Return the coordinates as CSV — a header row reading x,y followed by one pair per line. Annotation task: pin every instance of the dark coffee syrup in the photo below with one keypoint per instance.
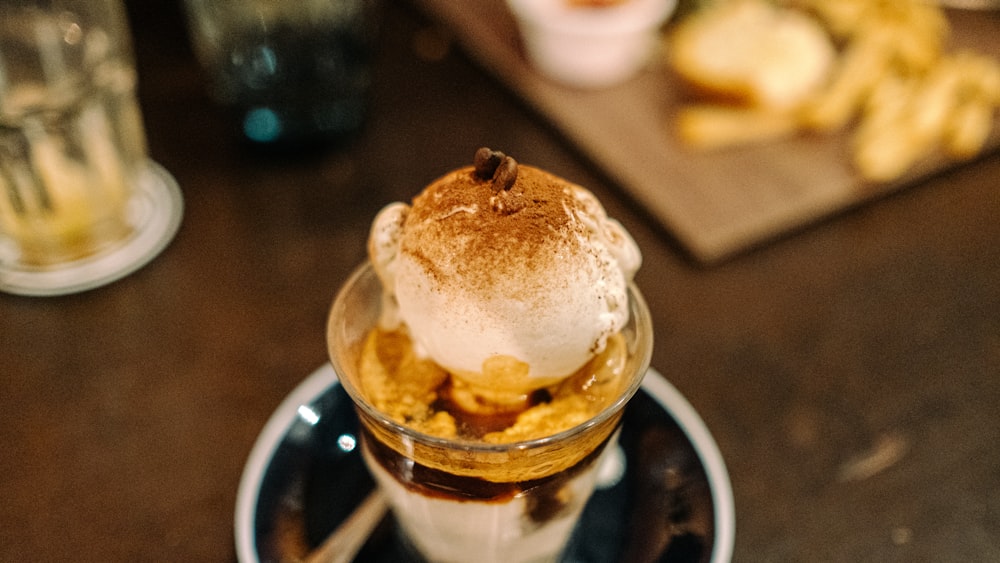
x,y
544,503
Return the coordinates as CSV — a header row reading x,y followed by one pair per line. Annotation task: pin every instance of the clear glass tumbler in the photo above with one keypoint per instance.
x,y
459,500
73,157
293,72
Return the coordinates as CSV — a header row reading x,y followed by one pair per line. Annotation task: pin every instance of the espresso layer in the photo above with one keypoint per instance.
x,y
546,499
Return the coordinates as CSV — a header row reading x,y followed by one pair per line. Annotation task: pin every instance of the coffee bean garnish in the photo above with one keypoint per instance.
x,y
486,162
505,175
495,165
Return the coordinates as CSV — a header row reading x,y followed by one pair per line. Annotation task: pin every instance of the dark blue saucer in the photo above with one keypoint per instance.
x,y
674,502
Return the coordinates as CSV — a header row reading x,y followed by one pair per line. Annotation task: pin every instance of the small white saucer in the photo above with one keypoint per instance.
x,y
303,478
154,212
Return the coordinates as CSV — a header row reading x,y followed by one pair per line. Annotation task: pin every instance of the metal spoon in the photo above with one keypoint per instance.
x,y
345,542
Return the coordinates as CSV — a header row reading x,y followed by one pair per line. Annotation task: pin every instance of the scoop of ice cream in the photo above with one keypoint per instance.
x,y
505,275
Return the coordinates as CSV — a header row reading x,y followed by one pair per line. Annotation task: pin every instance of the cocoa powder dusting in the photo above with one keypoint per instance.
x,y
491,246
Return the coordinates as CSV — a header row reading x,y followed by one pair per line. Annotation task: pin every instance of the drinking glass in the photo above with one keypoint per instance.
x,y
81,204
292,72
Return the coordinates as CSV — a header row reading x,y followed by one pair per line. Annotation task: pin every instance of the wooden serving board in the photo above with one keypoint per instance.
x,y
716,203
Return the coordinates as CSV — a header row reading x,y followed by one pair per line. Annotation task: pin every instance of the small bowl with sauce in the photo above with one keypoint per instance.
x,y
590,44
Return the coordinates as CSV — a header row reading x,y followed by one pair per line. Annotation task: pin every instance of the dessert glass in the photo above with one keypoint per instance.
x,y
460,500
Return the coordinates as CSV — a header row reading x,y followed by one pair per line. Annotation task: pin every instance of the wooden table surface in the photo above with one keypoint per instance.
x,y
849,372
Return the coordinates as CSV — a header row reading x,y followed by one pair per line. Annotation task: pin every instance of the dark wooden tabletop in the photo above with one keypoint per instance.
x,y
850,373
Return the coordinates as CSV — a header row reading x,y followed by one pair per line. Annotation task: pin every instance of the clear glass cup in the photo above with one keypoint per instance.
x,y
75,180
458,500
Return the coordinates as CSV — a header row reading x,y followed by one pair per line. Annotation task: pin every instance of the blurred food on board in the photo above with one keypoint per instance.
x,y
879,69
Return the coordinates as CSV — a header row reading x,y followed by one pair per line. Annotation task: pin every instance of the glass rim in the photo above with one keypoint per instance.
x,y
639,318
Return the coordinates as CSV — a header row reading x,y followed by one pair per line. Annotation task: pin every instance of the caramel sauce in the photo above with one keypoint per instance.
x,y
417,393
474,425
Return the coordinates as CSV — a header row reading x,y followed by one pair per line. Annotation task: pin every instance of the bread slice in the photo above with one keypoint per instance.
x,y
753,53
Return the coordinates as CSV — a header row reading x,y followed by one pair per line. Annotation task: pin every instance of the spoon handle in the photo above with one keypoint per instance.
x,y
344,543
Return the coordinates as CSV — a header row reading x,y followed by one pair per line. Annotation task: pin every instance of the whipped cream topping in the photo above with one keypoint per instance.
x,y
507,284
